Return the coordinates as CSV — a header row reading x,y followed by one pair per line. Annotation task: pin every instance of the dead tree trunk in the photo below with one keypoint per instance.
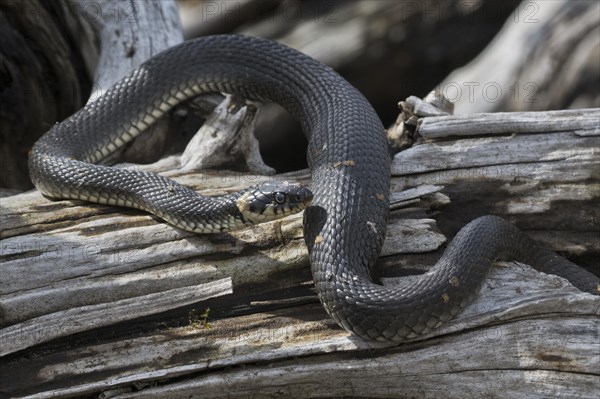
x,y
98,299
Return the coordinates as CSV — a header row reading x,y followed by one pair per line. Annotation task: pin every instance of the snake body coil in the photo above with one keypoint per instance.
x,y
348,158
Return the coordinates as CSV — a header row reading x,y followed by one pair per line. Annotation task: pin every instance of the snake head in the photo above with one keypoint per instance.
x,y
273,200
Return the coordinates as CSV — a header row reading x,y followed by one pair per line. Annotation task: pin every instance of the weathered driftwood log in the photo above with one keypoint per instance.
x,y
97,299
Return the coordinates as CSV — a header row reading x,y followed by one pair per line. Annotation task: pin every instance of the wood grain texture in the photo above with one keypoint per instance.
x,y
97,299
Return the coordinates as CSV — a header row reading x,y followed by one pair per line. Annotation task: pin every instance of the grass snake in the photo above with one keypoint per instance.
x,y
350,165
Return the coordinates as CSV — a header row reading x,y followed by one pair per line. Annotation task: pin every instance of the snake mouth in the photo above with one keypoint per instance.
x,y
273,200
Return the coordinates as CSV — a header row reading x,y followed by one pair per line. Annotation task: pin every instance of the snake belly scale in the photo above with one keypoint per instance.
x,y
349,161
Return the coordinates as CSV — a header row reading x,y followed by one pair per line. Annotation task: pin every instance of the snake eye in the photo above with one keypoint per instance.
x,y
279,197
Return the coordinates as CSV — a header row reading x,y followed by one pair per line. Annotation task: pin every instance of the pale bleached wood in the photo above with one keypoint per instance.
x,y
119,257
500,331
129,33
496,151
64,323
586,121
271,335
226,137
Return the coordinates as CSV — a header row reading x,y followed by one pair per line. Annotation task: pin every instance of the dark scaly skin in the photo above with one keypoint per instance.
x,y
348,157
